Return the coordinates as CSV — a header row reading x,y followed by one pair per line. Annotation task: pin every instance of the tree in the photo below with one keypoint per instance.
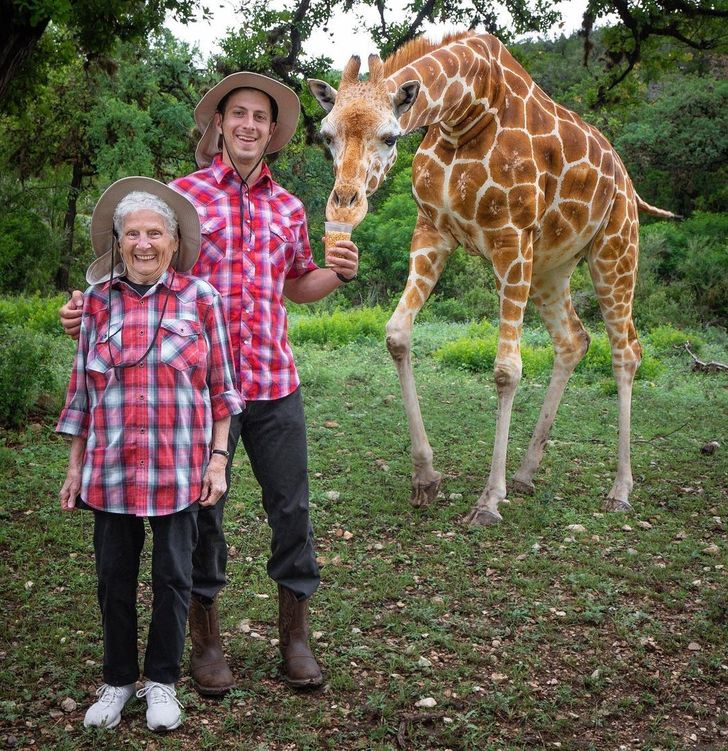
x,y
698,24
94,26
94,123
676,146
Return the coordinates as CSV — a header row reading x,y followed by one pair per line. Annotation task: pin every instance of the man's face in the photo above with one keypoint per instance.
x,y
246,126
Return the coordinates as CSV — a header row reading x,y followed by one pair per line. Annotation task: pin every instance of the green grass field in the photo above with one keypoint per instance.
x,y
533,634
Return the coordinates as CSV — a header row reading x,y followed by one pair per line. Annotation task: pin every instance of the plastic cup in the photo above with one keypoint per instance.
x,y
333,232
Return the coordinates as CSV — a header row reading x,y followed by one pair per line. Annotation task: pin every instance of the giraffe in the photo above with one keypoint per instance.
x,y
511,176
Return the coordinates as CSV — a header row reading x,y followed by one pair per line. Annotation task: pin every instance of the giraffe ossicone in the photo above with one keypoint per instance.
x,y
510,175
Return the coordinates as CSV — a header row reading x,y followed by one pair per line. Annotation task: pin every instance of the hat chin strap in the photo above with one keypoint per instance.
x,y
254,167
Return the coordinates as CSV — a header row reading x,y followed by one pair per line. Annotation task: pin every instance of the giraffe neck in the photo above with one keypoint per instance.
x,y
459,90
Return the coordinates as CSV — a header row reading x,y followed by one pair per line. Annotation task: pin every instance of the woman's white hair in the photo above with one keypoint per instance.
x,y
139,200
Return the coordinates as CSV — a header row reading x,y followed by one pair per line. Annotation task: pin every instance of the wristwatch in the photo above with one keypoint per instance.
x,y
344,279
222,452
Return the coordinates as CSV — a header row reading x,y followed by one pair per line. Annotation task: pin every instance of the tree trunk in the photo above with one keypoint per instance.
x,y
69,225
18,38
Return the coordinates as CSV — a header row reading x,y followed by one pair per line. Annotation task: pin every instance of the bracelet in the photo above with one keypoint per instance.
x,y
222,452
344,279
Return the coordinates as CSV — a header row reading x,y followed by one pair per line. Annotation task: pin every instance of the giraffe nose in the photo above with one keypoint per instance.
x,y
345,197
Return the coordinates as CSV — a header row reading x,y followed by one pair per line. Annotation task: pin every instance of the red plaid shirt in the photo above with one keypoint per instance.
x,y
249,269
148,427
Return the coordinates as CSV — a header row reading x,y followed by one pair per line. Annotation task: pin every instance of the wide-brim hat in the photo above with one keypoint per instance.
x,y
102,226
289,108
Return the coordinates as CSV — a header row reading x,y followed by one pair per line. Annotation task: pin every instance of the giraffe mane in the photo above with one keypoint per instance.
x,y
418,47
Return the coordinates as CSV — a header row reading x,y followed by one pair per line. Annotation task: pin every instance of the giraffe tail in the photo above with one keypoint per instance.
x,y
650,209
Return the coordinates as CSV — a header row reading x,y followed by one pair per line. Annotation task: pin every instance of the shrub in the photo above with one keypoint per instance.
x,y
27,252
34,369
340,327
663,340
35,313
477,353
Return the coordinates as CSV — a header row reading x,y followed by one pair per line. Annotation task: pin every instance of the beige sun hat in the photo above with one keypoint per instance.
x,y
102,226
289,109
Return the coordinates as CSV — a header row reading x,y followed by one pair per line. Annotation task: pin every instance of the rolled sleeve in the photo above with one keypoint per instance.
x,y
303,260
75,417
224,397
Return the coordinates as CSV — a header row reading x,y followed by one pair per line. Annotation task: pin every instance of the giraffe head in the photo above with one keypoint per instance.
x,y
361,131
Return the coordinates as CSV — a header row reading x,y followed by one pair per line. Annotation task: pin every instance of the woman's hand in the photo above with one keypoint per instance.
x,y
70,489
213,483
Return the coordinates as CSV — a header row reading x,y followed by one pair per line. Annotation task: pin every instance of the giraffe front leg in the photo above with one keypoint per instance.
x,y
427,259
512,262
624,372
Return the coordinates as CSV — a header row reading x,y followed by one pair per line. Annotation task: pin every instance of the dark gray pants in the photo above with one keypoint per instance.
x,y
274,435
118,543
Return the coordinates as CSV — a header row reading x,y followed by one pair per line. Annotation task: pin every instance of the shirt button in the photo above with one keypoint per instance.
x,y
141,397
141,430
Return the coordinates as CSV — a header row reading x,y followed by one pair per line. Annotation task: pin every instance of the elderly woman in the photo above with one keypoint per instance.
x,y
148,406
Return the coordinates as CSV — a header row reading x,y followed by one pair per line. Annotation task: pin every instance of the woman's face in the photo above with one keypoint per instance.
x,y
147,246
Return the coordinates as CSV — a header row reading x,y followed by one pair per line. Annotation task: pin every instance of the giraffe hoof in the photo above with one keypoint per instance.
x,y
483,517
620,507
424,492
523,487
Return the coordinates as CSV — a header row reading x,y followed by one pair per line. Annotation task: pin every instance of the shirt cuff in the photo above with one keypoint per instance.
x,y
73,422
226,404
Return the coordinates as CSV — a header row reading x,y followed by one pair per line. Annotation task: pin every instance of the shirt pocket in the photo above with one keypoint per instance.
x,y
106,352
281,246
215,238
180,343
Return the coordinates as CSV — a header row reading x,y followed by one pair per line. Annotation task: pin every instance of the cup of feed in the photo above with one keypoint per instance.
x,y
333,232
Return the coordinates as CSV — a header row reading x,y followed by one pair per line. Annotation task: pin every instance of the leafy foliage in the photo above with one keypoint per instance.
x,y
30,377
26,252
340,327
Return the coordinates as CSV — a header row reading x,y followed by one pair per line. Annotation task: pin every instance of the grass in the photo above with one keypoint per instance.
x,y
527,635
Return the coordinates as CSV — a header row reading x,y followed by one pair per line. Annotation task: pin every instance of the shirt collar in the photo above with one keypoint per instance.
x,y
168,279
223,172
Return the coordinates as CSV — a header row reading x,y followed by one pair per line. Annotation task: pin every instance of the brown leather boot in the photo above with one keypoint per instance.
x,y
208,667
300,668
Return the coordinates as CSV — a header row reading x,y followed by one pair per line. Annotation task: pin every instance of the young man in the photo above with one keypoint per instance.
x,y
255,250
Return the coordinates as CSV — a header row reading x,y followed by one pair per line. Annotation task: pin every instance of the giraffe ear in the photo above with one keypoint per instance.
x,y
405,97
325,94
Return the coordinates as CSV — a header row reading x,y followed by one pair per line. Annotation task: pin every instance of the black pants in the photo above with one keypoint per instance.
x,y
118,543
274,435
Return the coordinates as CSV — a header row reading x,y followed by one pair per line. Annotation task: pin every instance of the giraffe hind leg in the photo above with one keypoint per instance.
x,y
613,268
551,294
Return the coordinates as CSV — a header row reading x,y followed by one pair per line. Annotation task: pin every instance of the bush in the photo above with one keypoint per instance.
x,y
27,252
340,327
477,353
34,370
35,313
664,340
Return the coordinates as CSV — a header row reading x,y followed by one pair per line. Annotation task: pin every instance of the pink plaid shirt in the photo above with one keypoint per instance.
x,y
148,427
249,269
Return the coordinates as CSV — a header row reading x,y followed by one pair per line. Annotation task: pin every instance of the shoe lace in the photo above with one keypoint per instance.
x,y
108,694
158,693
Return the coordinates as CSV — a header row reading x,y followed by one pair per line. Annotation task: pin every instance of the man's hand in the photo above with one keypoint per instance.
x,y
213,483
344,259
70,314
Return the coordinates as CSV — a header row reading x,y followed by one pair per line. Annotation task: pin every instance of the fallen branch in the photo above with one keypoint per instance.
x,y
705,367
414,717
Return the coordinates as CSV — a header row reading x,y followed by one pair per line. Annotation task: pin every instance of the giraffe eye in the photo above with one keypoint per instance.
x,y
327,139
389,140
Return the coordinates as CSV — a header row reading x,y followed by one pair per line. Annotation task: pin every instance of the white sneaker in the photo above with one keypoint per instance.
x,y
106,712
163,707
